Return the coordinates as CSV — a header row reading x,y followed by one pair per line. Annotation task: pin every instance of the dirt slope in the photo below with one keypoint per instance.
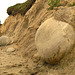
x,y
23,61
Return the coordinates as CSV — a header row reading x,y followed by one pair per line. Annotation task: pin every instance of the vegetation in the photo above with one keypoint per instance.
x,y
21,8
53,3
0,24
73,4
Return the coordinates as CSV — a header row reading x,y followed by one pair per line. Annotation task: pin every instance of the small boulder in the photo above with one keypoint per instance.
x,y
4,40
54,39
11,49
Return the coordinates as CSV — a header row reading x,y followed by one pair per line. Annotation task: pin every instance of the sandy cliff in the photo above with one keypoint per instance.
x,y
21,30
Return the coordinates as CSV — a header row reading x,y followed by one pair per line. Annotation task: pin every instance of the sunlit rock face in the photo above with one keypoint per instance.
x,y
54,39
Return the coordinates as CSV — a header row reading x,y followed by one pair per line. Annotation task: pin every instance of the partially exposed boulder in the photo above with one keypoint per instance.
x,y
11,49
54,39
4,40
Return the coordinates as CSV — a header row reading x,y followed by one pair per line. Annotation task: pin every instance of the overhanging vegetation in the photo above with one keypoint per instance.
x,y
21,8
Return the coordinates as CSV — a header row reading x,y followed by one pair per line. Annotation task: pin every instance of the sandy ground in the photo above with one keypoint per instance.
x,y
13,64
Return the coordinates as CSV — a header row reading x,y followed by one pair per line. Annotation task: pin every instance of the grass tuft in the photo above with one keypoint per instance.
x,y
53,3
0,24
73,4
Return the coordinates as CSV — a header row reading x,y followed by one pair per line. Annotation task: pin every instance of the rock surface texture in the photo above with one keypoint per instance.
x,y
66,15
54,39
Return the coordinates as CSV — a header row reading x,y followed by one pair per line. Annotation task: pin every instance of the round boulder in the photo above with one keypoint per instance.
x,y
4,40
54,39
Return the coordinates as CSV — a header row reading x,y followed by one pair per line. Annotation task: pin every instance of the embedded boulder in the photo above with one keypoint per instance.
x,y
4,40
11,49
54,39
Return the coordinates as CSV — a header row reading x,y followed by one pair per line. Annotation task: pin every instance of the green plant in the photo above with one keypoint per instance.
x,y
21,8
73,4
53,3
0,24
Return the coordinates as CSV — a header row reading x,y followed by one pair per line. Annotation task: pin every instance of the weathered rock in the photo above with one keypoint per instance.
x,y
11,49
66,15
54,39
4,40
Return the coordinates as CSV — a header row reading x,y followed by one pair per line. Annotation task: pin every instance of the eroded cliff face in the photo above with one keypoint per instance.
x,y
22,30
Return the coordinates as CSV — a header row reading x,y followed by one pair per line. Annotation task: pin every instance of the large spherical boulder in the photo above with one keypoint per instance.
x,y
4,40
54,39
